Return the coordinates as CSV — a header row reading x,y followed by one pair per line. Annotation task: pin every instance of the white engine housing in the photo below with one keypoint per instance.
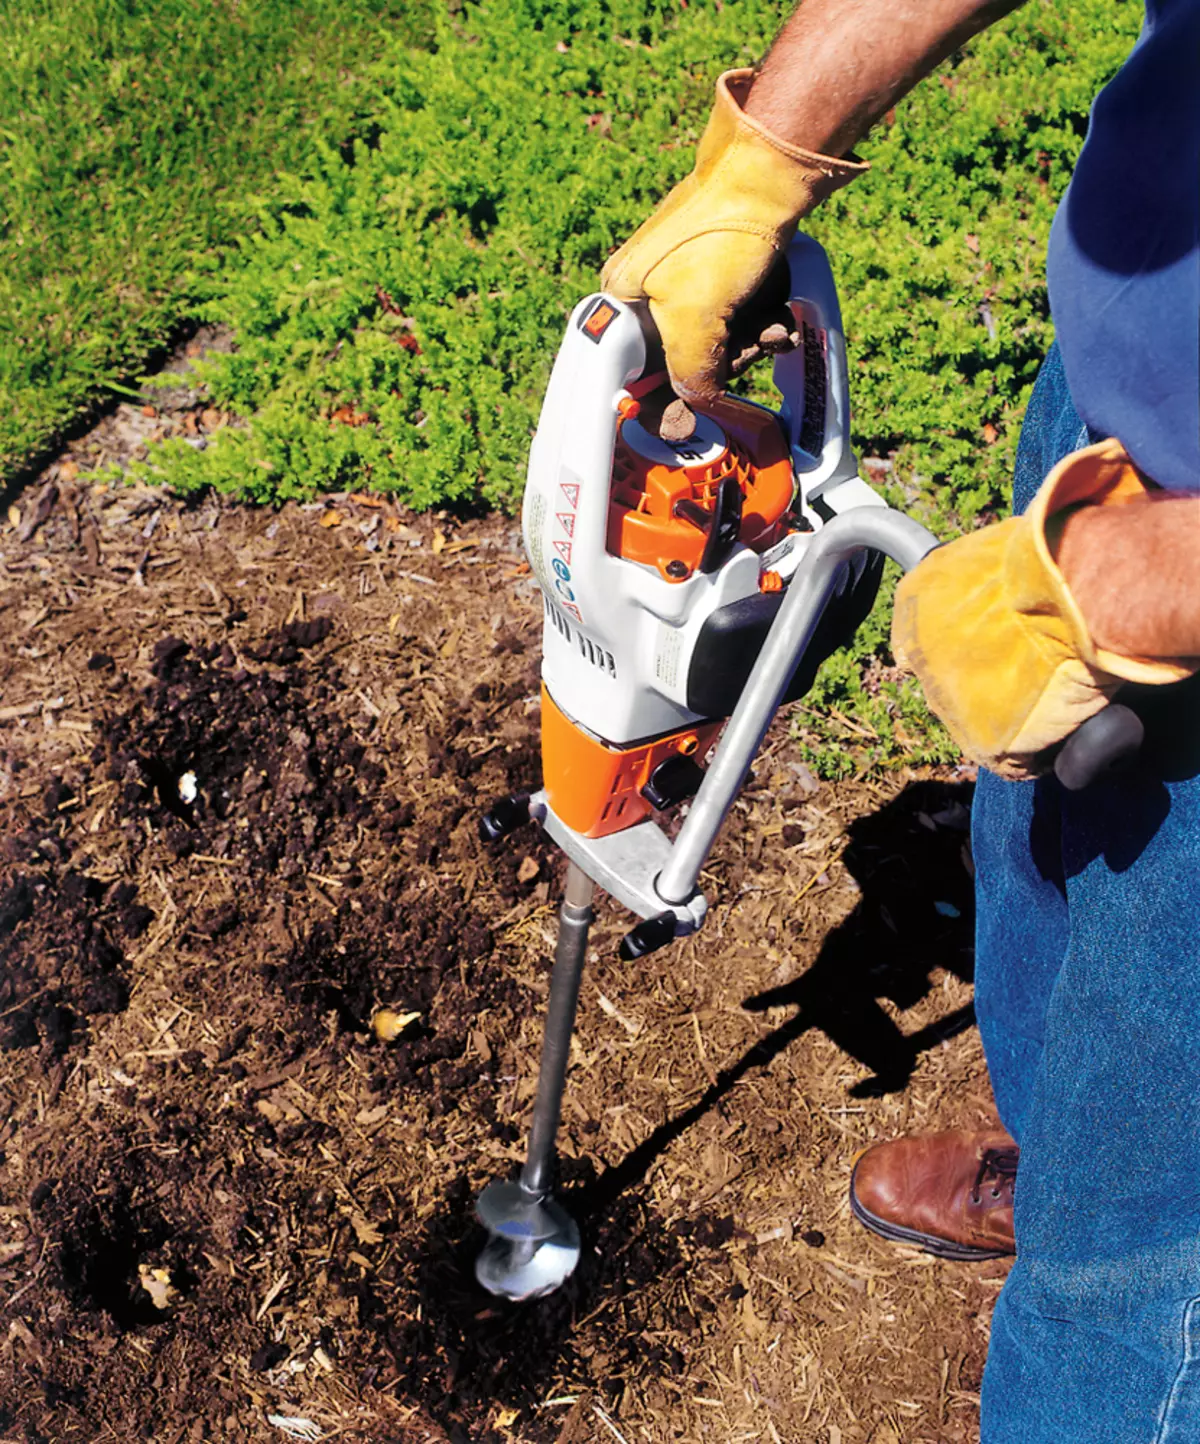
x,y
619,637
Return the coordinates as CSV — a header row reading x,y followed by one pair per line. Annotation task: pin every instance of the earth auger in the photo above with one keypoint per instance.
x,y
684,582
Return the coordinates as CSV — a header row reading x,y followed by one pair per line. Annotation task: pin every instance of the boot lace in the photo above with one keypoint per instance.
x,y
997,1167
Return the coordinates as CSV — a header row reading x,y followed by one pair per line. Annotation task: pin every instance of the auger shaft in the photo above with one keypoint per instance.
x,y
574,924
534,1244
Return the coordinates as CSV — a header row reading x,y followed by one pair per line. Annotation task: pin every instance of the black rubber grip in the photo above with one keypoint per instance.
x,y
648,937
1105,743
504,816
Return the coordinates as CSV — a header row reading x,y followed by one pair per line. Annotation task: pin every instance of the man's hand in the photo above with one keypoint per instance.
x,y
767,158
712,243
1011,657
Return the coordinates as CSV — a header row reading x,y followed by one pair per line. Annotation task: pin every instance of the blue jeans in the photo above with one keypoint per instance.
x,y
1088,997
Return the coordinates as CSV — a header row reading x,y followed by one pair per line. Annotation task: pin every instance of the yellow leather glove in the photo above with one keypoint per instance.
x,y
708,247
989,626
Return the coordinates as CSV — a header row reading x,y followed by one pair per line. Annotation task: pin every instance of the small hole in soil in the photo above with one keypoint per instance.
x,y
100,1257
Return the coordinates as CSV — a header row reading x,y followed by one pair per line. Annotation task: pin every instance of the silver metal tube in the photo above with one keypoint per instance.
x,y
880,528
574,924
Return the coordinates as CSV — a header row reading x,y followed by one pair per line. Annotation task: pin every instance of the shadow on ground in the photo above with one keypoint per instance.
x,y
915,917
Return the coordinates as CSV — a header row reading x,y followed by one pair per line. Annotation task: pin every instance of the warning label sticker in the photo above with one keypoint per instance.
x,y
533,536
666,656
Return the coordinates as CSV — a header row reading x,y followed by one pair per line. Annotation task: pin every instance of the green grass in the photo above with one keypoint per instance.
x,y
131,134
511,158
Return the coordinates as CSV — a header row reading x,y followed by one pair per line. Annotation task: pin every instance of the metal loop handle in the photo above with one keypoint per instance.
x,y
838,541
1108,740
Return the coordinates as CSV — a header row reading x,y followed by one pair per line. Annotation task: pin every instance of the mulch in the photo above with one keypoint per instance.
x,y
242,758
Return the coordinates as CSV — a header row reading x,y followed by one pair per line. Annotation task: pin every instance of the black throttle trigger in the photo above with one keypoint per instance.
x,y
725,526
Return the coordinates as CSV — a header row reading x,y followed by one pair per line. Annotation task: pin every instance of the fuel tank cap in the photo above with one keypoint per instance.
x,y
706,445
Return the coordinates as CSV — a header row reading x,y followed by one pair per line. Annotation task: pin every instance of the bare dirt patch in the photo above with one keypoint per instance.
x,y
242,755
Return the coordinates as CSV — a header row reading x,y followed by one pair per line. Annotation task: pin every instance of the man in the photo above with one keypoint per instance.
x,y
1088,957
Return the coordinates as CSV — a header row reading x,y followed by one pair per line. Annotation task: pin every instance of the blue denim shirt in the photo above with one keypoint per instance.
x,y
1124,260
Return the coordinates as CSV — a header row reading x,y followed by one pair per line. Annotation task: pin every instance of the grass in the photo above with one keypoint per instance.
x,y
132,135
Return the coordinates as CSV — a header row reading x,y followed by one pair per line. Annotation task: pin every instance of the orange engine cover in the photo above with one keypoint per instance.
x,y
597,789
648,524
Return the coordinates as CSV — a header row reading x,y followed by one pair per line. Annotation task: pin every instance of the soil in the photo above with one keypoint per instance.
x,y
242,759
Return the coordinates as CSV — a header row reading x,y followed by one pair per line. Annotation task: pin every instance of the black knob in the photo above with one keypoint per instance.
x,y
1106,742
673,780
648,937
504,816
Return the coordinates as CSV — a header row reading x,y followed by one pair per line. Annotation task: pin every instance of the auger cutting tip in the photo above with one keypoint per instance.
x,y
502,1270
534,1244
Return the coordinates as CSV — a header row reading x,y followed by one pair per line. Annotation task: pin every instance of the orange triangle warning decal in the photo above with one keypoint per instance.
x,y
564,551
571,491
566,520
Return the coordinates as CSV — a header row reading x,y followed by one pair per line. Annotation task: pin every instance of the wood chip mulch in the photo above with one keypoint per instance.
x,y
242,755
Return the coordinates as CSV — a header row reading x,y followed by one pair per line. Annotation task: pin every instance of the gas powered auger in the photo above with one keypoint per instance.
x,y
684,582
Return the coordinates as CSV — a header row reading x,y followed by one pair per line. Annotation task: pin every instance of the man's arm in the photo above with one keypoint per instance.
x,y
769,156
1134,572
838,65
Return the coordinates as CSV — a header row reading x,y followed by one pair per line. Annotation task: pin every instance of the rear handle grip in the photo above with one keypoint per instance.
x,y
1105,743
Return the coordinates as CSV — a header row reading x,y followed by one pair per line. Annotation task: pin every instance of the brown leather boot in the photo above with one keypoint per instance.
x,y
950,1194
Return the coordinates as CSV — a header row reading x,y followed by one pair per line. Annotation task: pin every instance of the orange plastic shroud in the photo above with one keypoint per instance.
x,y
644,524
597,789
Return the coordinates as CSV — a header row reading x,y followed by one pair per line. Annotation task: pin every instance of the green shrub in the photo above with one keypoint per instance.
x,y
421,283
857,716
465,232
